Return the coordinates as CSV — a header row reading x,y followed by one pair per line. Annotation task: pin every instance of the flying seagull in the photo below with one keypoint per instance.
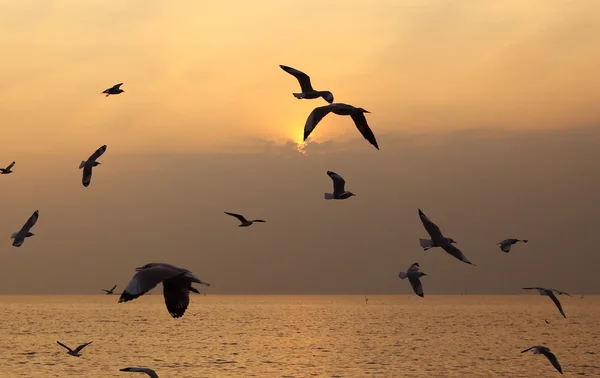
x,y
549,293
339,192
540,349
439,240
24,232
507,243
114,90
76,351
413,275
109,292
7,170
307,90
357,115
177,284
151,373
245,222
88,164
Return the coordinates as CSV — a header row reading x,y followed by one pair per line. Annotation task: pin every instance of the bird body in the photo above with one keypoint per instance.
x,y
114,90
88,164
439,240
74,353
307,90
244,222
413,274
7,170
339,191
24,232
540,349
549,293
177,284
506,244
357,115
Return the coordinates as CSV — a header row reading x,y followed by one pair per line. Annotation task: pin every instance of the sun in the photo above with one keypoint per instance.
x,y
301,146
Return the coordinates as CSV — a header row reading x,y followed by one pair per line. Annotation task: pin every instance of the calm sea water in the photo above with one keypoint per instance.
x,y
300,336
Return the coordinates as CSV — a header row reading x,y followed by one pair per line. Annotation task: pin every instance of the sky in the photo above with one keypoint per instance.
x,y
485,113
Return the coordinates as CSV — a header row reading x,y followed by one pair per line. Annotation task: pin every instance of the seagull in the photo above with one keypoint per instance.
x,y
507,243
150,372
413,275
245,222
24,232
339,192
76,351
549,293
177,284
307,90
540,349
357,115
439,240
114,90
7,170
109,292
89,164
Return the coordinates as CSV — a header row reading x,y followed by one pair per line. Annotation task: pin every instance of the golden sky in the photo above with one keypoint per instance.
x,y
498,99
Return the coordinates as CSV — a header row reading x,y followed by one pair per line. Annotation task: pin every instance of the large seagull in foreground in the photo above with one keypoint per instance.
x,y
439,240
307,90
357,114
88,164
177,284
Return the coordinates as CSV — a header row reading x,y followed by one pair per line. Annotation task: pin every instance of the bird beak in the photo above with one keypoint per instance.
x,y
366,111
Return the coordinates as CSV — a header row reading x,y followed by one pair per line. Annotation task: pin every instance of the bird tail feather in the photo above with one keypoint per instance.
x,y
402,275
426,243
328,196
81,164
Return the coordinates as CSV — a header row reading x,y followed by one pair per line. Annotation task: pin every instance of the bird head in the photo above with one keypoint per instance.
x,y
328,97
450,240
147,266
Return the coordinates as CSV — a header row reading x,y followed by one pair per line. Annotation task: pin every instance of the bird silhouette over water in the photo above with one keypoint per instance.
x,y
90,163
339,191
244,222
75,352
7,170
357,115
111,291
307,90
114,90
177,284
20,235
413,274
548,293
439,240
540,349
148,371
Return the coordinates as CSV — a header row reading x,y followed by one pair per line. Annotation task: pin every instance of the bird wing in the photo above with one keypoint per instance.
x,y
451,249
238,216
303,78
414,267
259,220
79,348
114,287
528,349
106,291
552,358
11,165
338,182
86,178
64,346
361,124
314,118
117,86
176,291
97,154
533,288
150,372
30,222
146,279
415,282
560,292
557,303
432,229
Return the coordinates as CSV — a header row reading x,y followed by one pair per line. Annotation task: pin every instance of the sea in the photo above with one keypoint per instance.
x,y
300,336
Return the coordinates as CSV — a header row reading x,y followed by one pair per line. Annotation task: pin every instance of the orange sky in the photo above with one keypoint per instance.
x,y
511,85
